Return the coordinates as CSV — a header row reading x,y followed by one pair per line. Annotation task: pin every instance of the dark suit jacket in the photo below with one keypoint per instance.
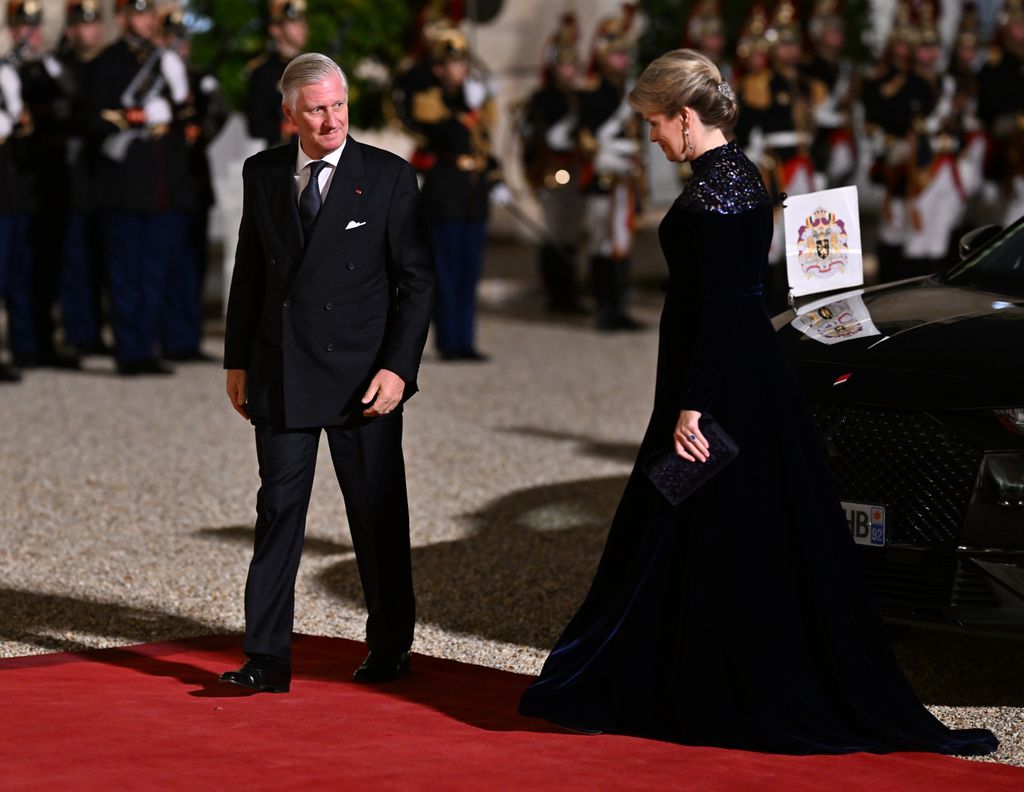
x,y
313,322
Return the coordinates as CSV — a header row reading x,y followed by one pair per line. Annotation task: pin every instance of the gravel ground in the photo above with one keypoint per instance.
x,y
127,507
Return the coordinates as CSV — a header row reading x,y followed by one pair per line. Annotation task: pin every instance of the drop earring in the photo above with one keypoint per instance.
x,y
688,143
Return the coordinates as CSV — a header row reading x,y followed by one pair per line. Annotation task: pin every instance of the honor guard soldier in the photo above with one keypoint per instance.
x,y
182,324
788,129
82,280
705,32
40,155
138,106
610,142
1001,109
896,99
833,89
962,77
551,161
753,77
453,116
288,32
947,157
15,211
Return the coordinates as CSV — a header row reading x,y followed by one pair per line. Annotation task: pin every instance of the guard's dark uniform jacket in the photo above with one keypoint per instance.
x,y
456,142
263,100
154,175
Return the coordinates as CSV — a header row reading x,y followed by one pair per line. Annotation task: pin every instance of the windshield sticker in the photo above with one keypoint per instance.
x,y
837,321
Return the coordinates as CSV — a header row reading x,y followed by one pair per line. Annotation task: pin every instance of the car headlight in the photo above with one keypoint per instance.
x,y
1012,419
1002,477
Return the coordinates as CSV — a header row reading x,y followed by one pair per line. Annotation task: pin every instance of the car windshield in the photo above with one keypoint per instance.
x,y
997,267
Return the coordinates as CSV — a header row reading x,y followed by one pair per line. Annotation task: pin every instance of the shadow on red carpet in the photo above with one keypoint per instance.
x,y
155,717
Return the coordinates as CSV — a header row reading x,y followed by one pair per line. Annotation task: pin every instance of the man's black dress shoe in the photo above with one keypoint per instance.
x,y
261,675
8,374
379,667
138,368
56,360
191,356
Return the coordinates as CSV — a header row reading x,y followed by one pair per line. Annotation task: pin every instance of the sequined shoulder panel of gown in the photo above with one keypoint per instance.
x,y
724,181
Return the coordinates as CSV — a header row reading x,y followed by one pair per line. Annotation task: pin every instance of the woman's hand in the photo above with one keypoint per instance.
x,y
690,442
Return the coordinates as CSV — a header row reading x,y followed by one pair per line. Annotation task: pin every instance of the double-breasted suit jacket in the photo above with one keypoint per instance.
x,y
313,320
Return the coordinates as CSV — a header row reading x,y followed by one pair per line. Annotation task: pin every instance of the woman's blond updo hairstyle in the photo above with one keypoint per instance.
x,y
685,78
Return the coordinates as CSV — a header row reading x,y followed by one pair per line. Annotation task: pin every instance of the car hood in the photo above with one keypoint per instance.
x,y
921,342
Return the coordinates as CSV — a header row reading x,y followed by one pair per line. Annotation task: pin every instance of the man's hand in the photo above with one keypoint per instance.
x,y
689,441
237,390
385,392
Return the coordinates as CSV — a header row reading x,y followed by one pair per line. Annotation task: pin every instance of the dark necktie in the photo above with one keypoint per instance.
x,y
309,201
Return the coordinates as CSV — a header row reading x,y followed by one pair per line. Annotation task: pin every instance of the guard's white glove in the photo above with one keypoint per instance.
x,y
501,195
616,156
475,92
158,111
175,72
208,84
52,66
560,135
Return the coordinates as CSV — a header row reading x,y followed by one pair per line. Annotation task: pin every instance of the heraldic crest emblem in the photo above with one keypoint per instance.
x,y
822,245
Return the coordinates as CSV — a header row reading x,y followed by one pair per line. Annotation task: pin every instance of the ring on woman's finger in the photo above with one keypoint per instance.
x,y
693,437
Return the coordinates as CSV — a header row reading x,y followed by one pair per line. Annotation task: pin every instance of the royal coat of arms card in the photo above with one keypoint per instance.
x,y
823,248
837,318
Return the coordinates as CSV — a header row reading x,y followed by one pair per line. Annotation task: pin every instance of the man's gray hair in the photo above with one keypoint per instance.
x,y
308,69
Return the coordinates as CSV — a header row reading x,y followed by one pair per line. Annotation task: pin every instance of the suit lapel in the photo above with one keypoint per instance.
x,y
339,207
279,186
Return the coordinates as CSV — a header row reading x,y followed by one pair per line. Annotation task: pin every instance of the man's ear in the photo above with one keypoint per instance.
x,y
287,112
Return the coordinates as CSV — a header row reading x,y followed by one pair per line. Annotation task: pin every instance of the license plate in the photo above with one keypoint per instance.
x,y
866,522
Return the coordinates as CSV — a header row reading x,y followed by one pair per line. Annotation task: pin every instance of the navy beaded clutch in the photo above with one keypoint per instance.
x,y
677,478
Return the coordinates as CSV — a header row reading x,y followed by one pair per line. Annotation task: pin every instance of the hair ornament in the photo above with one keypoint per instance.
x,y
726,90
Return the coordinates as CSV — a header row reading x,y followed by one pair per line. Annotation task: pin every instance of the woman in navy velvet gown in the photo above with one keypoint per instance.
x,y
739,618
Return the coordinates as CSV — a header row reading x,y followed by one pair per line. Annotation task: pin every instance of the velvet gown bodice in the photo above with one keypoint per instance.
x,y
741,617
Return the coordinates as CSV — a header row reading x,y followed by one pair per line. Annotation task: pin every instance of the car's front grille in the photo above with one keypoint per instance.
x,y
923,586
971,588
910,586
906,461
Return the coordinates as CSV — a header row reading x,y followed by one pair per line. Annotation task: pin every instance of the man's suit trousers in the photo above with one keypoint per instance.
x,y
371,471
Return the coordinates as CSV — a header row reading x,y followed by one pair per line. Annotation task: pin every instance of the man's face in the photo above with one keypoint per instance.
x,y
452,73
927,56
787,53
618,61
321,116
290,35
28,36
85,36
142,24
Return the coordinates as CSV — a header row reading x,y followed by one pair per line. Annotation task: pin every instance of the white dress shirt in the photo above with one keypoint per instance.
x,y
326,174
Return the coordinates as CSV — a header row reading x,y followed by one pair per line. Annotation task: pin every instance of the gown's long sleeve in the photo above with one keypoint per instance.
x,y
718,254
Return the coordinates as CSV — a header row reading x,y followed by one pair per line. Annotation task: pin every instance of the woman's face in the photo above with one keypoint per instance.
x,y
667,132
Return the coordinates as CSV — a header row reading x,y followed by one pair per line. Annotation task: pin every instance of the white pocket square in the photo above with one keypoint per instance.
x,y
354,224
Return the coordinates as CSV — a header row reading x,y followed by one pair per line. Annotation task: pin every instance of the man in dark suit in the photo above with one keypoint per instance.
x,y
327,316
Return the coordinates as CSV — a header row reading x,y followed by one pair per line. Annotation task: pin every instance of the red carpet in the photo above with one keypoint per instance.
x,y
154,717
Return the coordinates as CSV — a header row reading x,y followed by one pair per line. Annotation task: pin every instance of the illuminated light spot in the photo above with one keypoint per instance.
x,y
562,176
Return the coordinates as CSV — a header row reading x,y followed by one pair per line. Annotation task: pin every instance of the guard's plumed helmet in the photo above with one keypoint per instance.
x,y
25,12
81,11
136,6
447,44
172,21
284,10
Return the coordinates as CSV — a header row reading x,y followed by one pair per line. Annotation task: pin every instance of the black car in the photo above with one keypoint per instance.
x,y
917,392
